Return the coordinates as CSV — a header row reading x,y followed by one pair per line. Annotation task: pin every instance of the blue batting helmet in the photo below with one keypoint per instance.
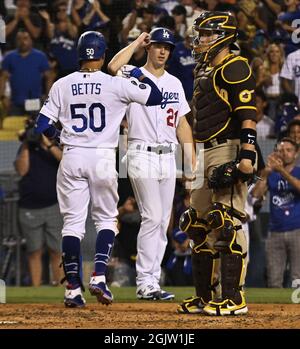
x,y
91,46
162,35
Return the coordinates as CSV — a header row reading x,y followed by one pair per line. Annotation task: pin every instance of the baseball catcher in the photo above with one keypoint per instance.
x,y
225,124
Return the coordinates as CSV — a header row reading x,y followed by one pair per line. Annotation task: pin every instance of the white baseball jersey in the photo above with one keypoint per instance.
x,y
291,70
158,124
91,105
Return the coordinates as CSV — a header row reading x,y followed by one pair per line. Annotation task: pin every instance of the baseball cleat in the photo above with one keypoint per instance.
x,y
98,288
148,292
73,297
225,307
166,296
192,305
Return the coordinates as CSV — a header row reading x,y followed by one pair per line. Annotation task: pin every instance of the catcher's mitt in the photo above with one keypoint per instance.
x,y
226,175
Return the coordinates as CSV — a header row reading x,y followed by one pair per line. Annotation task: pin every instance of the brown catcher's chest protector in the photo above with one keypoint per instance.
x,y
211,113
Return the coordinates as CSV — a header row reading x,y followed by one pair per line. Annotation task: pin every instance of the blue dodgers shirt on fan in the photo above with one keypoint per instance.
x,y
284,202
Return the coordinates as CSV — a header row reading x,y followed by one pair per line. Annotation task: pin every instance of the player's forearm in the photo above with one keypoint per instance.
x,y
122,58
249,125
185,137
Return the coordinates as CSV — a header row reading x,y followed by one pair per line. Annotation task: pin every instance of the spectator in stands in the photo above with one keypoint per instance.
x,y
194,8
290,74
282,179
88,15
265,125
179,14
39,217
124,251
179,265
63,36
23,19
140,17
293,131
182,64
250,15
270,81
287,110
25,69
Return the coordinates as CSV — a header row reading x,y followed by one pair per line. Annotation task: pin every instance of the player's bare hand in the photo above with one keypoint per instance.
x,y
245,166
143,40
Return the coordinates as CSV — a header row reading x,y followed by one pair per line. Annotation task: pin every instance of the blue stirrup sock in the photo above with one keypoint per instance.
x,y
104,245
72,261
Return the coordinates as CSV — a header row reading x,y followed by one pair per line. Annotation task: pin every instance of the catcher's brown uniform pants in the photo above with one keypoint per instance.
x,y
203,198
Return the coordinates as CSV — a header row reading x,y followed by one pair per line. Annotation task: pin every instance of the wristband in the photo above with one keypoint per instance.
x,y
248,135
247,154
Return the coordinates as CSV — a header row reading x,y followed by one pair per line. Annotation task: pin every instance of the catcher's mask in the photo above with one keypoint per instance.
x,y
212,31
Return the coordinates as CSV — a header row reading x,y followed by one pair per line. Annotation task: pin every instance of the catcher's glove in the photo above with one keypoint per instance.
x,y
226,175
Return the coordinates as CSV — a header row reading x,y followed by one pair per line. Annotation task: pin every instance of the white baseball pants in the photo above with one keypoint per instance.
x,y
153,179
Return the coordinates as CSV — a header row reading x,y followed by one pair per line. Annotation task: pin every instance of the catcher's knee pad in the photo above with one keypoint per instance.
x,y
232,268
197,229
221,219
203,267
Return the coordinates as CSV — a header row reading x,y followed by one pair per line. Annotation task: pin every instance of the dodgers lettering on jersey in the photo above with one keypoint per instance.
x,y
91,106
158,124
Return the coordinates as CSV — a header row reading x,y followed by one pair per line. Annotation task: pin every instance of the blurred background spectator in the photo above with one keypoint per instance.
x,y
290,73
182,64
265,125
293,131
39,217
288,109
282,180
25,68
268,77
23,19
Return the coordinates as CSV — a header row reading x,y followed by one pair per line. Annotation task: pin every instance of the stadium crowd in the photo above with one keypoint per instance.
x,y
40,47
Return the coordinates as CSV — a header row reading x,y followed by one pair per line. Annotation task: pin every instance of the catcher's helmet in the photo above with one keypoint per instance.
x,y
91,46
221,26
162,35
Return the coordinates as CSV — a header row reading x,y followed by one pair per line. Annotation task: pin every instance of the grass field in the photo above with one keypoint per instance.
x,y
127,294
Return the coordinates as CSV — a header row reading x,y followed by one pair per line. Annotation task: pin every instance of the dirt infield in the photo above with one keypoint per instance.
x,y
143,316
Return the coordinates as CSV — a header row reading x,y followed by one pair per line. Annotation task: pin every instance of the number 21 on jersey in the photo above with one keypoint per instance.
x,y
172,117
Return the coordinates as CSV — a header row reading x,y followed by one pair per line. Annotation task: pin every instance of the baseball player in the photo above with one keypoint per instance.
x,y
224,123
90,106
151,156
